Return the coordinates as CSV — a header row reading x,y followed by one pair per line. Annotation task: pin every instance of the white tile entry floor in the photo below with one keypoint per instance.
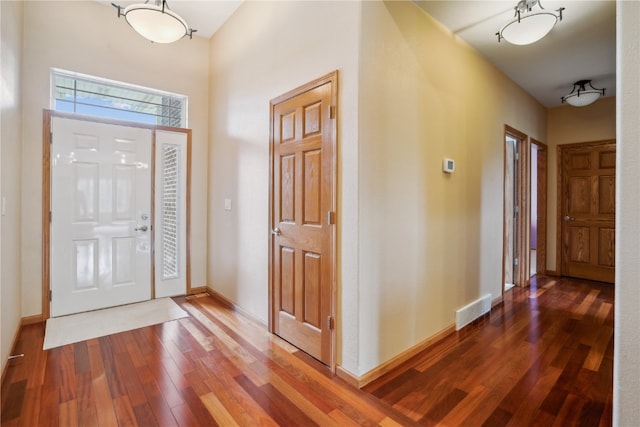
x,y
93,324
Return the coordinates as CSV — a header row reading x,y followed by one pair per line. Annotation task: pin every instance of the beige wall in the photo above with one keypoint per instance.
x,y
266,49
458,217
102,45
430,242
626,359
411,111
10,141
568,125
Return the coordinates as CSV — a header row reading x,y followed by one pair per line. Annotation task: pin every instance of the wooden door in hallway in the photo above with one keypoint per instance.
x,y
302,249
588,211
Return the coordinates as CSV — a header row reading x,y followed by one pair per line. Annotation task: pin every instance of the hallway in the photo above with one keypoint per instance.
x,y
543,357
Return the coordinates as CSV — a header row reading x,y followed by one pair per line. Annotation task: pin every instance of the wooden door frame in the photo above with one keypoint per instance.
x,y
332,78
541,230
47,116
523,229
561,261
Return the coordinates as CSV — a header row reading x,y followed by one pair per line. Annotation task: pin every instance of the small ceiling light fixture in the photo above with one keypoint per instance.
x,y
529,26
155,21
580,95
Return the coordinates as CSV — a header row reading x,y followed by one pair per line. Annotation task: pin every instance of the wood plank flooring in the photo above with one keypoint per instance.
x,y
544,357
215,367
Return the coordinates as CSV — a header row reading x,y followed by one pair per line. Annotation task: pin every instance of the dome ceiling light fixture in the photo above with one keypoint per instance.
x,y
581,96
529,26
154,21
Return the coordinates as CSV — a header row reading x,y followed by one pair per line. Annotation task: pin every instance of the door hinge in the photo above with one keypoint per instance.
x,y
517,156
332,111
516,209
329,322
50,217
331,217
515,261
50,295
50,137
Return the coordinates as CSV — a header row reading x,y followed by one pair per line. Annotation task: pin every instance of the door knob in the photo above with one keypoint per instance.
x,y
141,228
569,218
276,231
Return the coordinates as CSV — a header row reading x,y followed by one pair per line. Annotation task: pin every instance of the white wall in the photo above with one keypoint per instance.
x,y
626,371
102,45
10,141
264,50
430,242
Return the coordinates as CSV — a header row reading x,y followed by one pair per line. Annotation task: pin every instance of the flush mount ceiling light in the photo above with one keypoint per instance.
x,y
529,26
155,21
580,95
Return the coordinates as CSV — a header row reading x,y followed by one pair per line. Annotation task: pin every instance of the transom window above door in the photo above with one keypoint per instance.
x,y
94,96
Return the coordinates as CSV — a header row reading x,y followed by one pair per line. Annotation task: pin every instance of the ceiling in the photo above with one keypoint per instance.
x,y
206,16
581,46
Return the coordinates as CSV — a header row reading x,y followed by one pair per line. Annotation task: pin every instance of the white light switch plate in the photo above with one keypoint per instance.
x,y
227,204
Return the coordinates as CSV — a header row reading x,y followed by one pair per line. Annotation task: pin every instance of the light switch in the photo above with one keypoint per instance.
x,y
227,204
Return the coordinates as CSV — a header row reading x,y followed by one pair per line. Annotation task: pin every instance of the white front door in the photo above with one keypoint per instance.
x,y
101,215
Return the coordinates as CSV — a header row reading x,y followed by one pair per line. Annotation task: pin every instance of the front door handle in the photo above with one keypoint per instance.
x,y
276,231
141,228
569,218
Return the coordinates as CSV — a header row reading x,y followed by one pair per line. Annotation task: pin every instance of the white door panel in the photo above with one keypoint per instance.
x,y
101,202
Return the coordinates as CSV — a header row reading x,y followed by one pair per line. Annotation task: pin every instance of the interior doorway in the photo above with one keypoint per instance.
x,y
538,208
516,228
302,218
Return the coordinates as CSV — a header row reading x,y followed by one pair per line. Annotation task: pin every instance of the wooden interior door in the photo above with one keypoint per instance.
x,y
588,211
302,249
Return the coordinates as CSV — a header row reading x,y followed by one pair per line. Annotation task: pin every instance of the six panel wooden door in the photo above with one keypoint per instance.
x,y
101,215
302,244
588,212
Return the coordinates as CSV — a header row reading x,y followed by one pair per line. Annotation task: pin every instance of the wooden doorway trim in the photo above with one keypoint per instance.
x,y
329,217
541,192
47,116
522,217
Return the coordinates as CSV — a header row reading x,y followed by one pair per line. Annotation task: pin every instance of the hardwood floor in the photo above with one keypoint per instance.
x,y
544,357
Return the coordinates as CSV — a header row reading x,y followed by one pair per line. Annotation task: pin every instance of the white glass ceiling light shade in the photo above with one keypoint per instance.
x,y
155,22
580,95
529,26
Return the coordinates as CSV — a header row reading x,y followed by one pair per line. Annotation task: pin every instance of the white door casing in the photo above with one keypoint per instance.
x,y
100,247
